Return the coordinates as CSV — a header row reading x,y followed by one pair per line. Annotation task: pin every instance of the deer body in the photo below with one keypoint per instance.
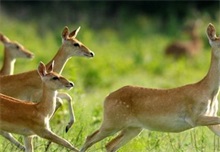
x,y
16,120
131,109
31,119
30,82
147,108
12,50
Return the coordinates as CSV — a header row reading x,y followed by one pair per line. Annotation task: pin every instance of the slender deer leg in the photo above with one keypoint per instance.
x,y
28,142
12,139
96,136
71,112
47,134
59,103
125,136
215,129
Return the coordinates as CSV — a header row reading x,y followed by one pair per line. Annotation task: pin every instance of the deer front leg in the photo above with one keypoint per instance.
x,y
49,135
67,97
12,139
28,142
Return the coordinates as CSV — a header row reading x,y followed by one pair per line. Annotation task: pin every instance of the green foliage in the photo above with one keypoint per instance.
x,y
131,52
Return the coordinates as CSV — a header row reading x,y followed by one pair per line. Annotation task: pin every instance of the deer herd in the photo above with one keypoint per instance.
x,y
26,110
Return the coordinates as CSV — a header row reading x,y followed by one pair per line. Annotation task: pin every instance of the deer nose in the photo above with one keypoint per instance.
x,y
71,84
92,54
31,56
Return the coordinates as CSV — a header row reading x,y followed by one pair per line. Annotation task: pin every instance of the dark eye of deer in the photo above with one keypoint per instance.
x,y
55,78
17,47
76,44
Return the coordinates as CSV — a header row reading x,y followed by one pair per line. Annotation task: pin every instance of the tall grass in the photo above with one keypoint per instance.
x,y
131,53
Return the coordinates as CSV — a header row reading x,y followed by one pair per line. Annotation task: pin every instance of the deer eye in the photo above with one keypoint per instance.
x,y
55,78
76,44
17,47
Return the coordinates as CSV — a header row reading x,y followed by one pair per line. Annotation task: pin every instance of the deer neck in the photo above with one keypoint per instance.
x,y
8,64
47,104
60,60
212,79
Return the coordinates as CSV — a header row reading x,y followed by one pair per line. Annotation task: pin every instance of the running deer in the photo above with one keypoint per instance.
x,y
12,50
131,109
30,82
30,119
187,48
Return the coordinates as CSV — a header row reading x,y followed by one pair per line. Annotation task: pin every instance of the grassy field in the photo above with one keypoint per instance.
x,y
130,53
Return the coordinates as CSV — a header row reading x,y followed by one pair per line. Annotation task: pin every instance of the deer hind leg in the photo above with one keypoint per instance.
x,y
28,142
125,136
12,139
49,135
97,136
215,129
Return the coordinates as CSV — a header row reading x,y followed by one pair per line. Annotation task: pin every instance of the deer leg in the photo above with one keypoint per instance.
x,y
97,136
207,121
49,135
125,136
12,139
28,142
71,112
59,103
215,129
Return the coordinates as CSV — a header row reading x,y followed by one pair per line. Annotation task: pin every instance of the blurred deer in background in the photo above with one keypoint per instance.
x,y
12,51
187,48
130,109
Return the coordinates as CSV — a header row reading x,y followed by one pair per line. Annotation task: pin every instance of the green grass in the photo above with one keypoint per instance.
x,y
132,53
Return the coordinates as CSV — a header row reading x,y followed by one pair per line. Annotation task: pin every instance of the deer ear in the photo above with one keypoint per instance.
x,y
211,33
42,69
50,68
65,33
3,38
74,33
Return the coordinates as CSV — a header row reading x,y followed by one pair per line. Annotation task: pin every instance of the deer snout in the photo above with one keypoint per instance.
x,y
30,56
89,54
70,85
92,54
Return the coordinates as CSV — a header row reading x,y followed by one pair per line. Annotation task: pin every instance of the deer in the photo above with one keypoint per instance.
x,y
131,109
189,48
30,82
30,119
12,51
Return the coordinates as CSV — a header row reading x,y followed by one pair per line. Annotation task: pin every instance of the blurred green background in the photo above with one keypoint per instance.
x,y
128,39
